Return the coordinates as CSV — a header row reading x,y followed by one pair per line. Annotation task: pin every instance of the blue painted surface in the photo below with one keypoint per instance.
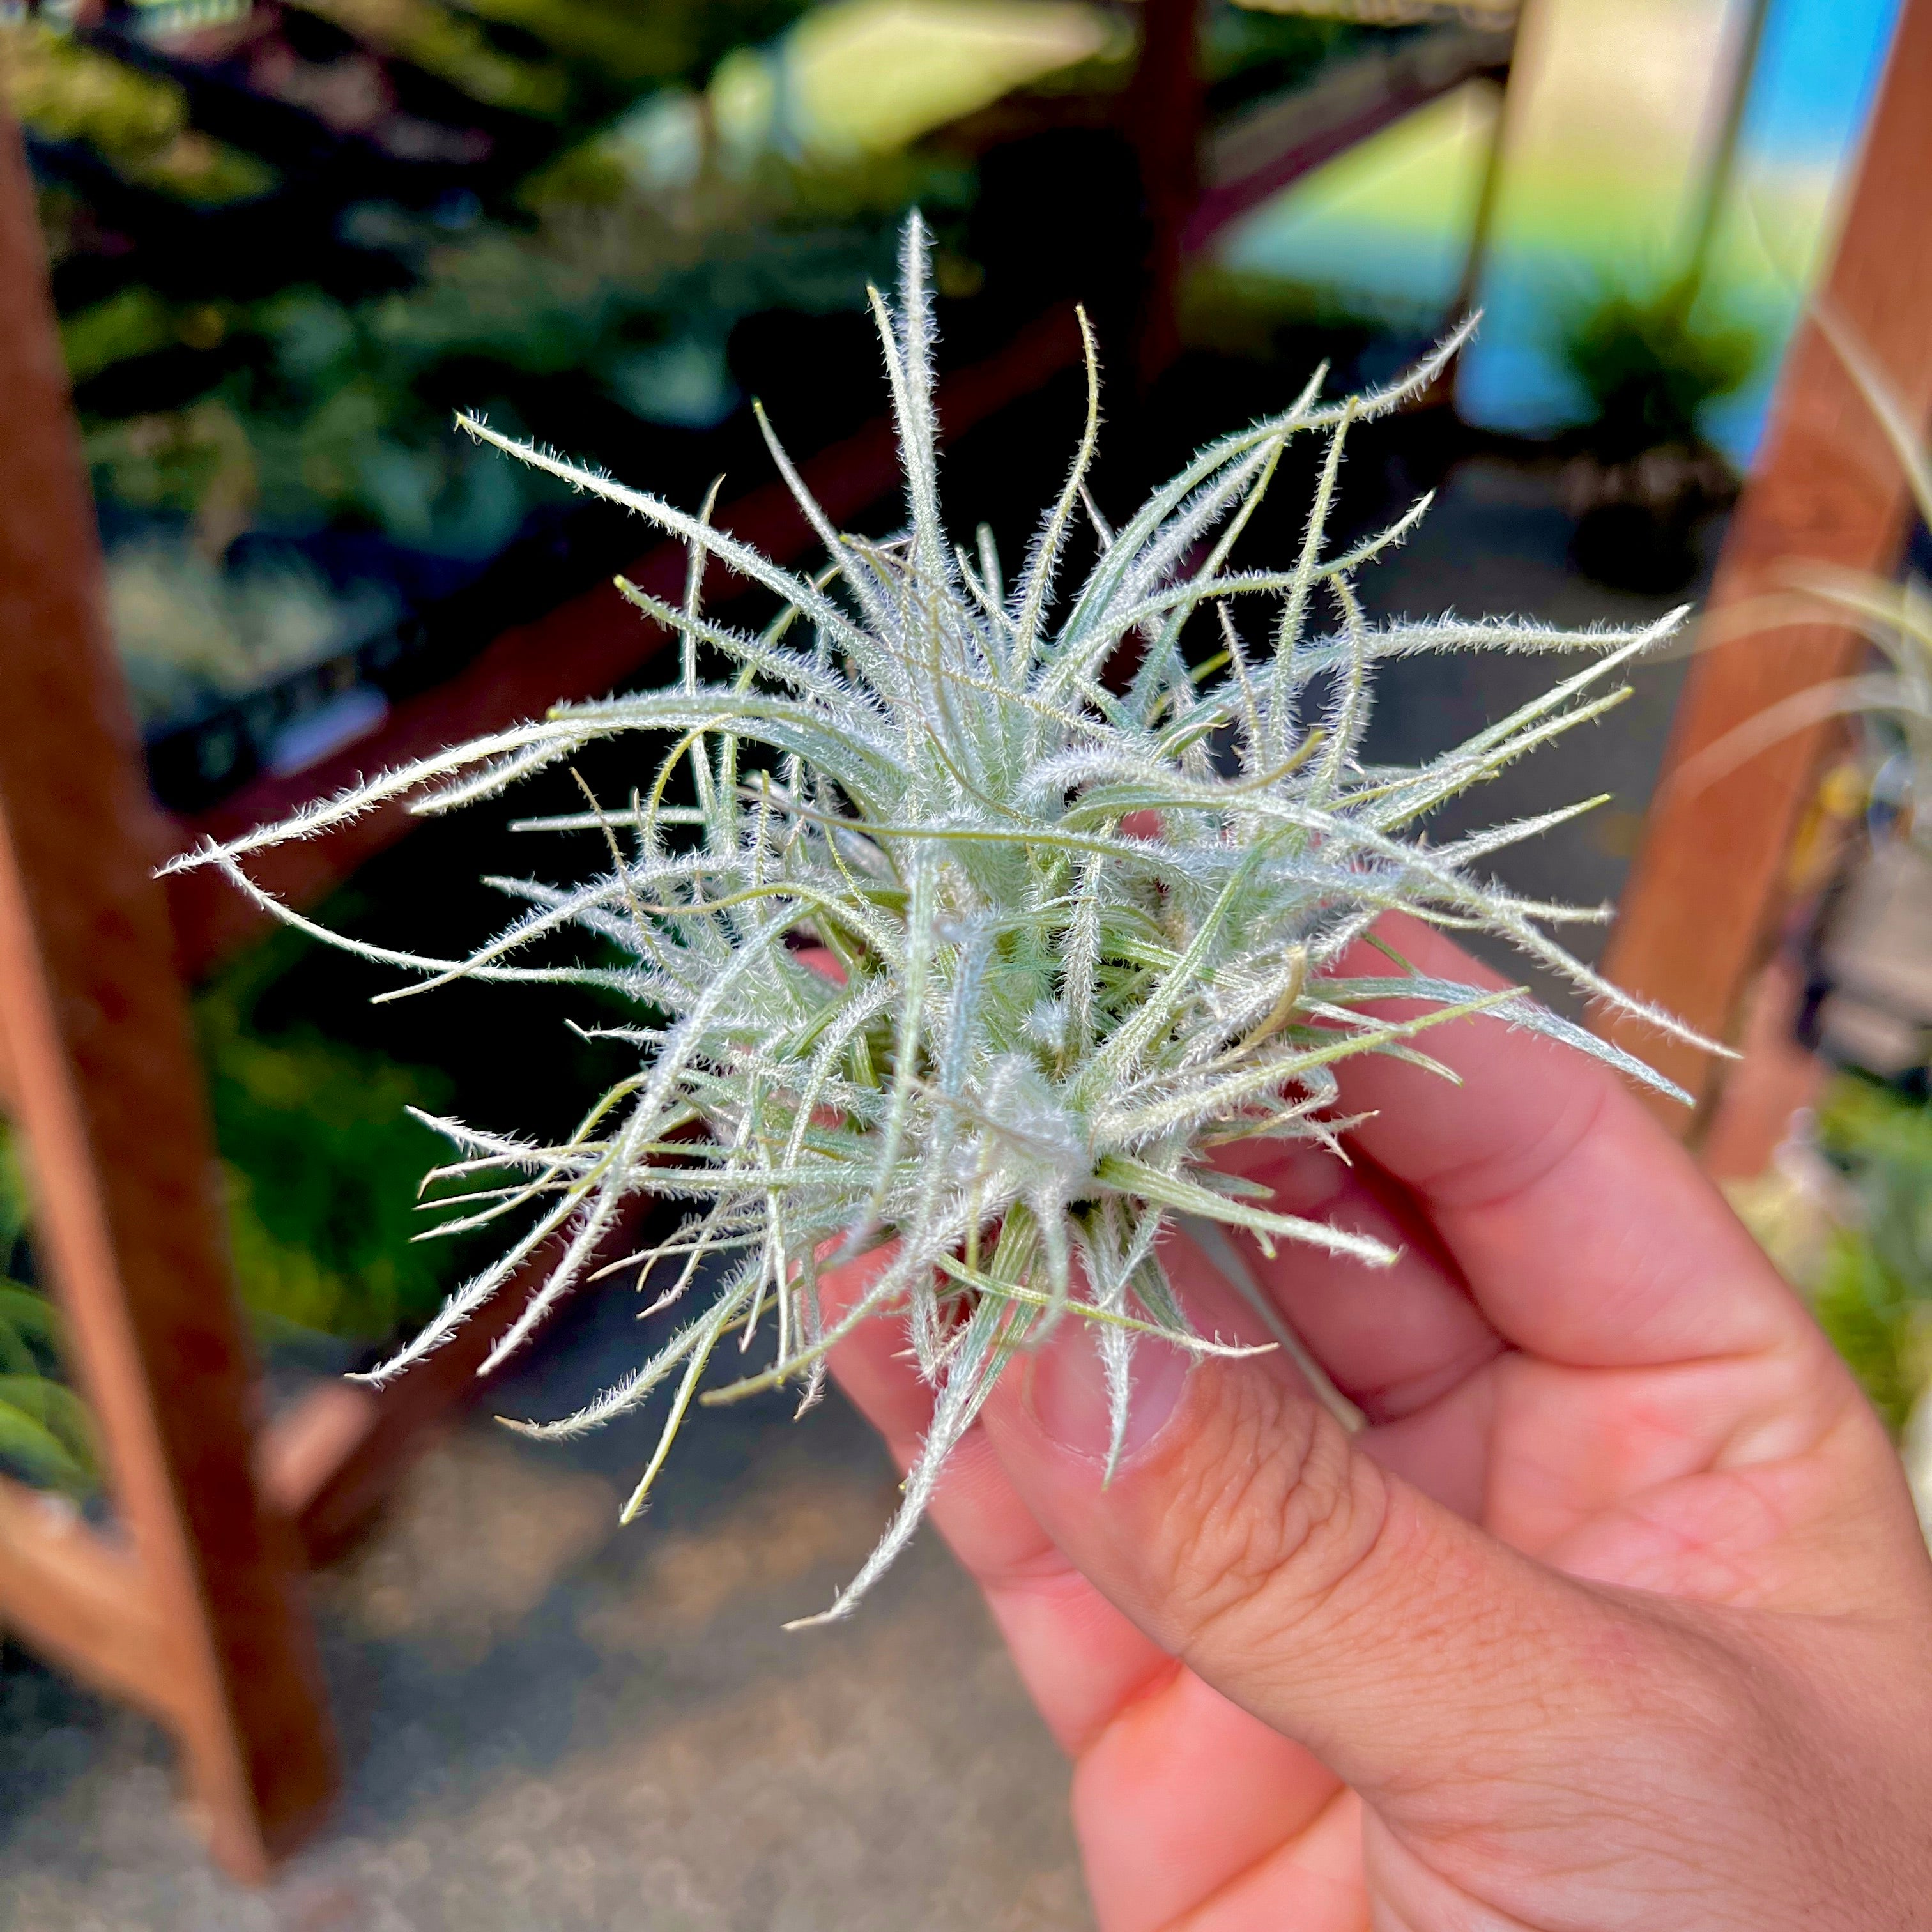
x,y
1818,66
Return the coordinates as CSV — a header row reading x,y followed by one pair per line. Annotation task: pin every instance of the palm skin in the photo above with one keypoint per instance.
x,y
1615,1614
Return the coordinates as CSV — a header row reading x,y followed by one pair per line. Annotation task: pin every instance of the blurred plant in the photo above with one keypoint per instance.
x,y
579,52
635,283
45,1434
193,635
329,424
641,262
322,1154
453,47
1246,47
1078,932
1650,361
136,122
135,322
198,462
1245,312
628,45
1845,1210
1872,1292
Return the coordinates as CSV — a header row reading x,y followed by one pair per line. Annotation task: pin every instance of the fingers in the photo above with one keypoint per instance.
x,y
1081,1659
1393,1338
1321,1593
1585,1233
1185,1798
1180,1797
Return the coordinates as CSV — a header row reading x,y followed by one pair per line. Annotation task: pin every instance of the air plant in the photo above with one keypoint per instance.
x,y
990,918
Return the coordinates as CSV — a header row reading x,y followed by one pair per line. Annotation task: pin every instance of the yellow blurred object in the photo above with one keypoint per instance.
x,y
1840,800
61,91
871,76
1383,227
1393,13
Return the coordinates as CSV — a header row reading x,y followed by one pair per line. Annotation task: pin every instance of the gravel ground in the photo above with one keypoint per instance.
x,y
551,1723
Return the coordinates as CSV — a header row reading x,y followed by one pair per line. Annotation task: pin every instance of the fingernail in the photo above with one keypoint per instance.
x,y
1067,1391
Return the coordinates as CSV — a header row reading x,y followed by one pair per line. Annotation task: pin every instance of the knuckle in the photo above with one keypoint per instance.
x,y
1268,1511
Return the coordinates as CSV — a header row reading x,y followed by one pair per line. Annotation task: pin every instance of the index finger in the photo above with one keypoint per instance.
x,y
1586,1234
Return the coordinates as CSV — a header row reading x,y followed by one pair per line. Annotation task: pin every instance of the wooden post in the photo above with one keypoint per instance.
x,y
1163,108
194,1608
1700,910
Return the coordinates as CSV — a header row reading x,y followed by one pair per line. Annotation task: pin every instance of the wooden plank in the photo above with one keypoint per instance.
x,y
108,1093
77,1599
1162,111
1700,911
329,1464
1776,1078
1269,148
586,647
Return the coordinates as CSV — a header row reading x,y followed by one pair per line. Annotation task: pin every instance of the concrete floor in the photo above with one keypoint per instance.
x,y
550,1724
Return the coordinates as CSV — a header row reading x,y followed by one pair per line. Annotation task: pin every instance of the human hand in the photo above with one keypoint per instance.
x,y
1615,1614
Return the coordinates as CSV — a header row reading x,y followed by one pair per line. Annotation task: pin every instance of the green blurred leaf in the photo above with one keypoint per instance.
x,y
1651,361
27,1324
323,1160
46,1430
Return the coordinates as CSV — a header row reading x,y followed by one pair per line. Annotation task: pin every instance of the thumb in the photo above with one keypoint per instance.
x,y
1246,1534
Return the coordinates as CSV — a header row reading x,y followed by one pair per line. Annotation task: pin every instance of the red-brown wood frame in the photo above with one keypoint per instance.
x,y
1701,907
191,1607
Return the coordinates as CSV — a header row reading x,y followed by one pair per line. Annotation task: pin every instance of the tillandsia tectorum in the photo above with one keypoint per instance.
x,y
1075,932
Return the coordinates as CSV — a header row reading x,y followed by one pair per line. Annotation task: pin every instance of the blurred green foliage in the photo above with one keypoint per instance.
x,y
323,1161
319,412
557,59
631,46
1269,50
136,322
1651,359
1244,313
137,123
1872,1292
46,1436
324,418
